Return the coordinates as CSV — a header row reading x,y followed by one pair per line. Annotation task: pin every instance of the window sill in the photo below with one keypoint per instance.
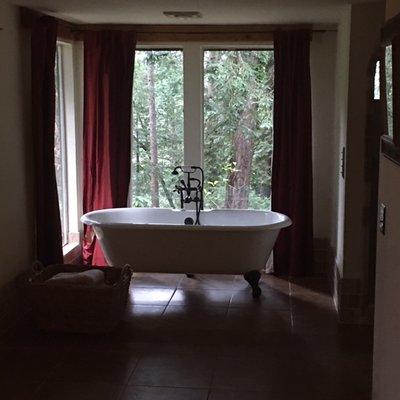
x,y
71,252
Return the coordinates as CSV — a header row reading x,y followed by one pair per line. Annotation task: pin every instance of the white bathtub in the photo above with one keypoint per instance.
x,y
156,239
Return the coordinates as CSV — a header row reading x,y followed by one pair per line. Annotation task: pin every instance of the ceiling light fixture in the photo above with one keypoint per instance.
x,y
183,14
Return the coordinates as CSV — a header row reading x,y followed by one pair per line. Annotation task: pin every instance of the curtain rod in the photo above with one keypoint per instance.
x,y
201,29
77,30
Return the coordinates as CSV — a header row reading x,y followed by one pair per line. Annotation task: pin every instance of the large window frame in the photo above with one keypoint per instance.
x,y
71,67
71,146
193,88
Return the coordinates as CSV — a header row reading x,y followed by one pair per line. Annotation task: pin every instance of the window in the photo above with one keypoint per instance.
x,y
206,106
377,81
65,158
157,126
238,101
389,89
60,150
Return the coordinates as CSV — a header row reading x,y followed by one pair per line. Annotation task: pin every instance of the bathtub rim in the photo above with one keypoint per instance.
x,y
86,219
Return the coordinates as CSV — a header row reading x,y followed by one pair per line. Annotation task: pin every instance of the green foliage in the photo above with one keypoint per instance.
x,y
389,88
230,79
169,107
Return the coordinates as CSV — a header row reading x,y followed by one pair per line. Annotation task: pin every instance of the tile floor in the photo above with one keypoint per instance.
x,y
199,339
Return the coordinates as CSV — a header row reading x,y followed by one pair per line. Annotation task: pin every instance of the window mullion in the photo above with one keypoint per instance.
x,y
193,103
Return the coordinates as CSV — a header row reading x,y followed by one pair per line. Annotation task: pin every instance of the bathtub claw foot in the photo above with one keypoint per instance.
x,y
253,277
190,275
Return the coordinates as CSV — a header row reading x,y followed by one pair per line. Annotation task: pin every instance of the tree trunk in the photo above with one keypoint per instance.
x,y
167,193
153,136
237,193
209,84
239,178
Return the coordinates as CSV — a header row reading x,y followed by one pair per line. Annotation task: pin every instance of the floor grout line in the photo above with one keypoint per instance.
x,y
173,387
218,349
173,294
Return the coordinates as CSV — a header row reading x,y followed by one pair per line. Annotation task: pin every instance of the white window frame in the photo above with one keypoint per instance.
x,y
63,143
72,148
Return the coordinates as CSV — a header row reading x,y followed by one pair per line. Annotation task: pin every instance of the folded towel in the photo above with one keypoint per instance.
x,y
93,277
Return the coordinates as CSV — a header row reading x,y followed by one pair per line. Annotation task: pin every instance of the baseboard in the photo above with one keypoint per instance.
x,y
351,302
322,255
335,279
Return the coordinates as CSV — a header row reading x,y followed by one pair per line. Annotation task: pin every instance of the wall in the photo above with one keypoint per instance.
x,y
387,300
358,39
366,22
386,384
16,213
322,58
340,129
392,8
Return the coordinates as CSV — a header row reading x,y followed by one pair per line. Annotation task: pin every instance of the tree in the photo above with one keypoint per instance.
x,y
153,131
157,126
238,130
237,195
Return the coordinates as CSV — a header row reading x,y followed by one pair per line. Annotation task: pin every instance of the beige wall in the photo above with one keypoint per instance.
x,y
322,58
386,384
16,211
340,129
387,300
366,22
357,40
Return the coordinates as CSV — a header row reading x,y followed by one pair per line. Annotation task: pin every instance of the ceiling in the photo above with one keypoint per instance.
x,y
213,11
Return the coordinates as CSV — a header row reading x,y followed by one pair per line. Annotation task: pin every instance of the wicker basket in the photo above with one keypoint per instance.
x,y
74,308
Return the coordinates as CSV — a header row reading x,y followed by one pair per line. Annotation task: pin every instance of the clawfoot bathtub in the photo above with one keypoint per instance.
x,y
157,240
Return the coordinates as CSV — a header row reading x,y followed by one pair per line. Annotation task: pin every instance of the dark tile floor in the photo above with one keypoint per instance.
x,y
199,339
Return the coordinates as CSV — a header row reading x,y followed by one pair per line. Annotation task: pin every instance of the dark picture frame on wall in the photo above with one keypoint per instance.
x,y
390,86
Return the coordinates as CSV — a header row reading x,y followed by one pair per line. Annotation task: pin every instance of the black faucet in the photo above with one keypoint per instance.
x,y
190,189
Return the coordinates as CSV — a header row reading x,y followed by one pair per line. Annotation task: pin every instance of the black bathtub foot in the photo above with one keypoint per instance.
x,y
253,277
190,275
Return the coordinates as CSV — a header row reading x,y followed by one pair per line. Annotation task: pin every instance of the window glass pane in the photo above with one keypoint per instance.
x,y
60,161
377,81
157,127
238,128
389,89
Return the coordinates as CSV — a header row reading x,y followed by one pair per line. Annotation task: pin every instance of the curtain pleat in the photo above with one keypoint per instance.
x,y
292,189
48,221
108,78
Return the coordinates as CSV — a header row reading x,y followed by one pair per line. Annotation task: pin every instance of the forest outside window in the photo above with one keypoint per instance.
x,y
208,106
377,81
65,159
238,122
389,89
60,150
157,126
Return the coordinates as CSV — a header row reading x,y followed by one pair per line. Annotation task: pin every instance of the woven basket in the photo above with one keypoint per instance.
x,y
72,308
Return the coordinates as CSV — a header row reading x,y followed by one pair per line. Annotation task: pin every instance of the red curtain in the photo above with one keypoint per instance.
x,y
48,222
292,155
108,77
